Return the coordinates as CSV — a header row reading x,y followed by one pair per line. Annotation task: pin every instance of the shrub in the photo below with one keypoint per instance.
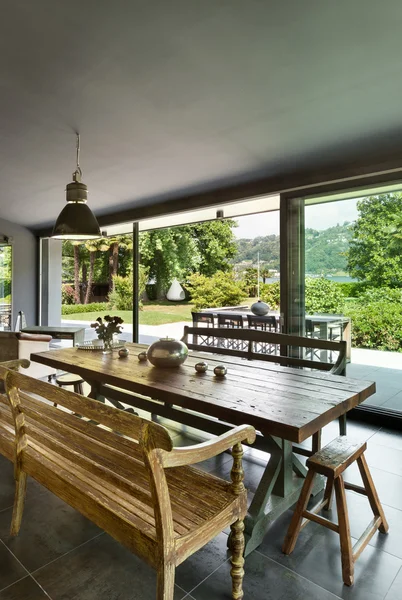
x,y
351,289
323,296
67,294
121,296
219,290
381,294
67,309
271,294
376,325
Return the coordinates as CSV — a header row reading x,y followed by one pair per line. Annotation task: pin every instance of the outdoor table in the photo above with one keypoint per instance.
x,y
76,334
285,404
323,321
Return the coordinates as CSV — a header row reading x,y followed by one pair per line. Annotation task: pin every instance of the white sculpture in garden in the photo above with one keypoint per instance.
x,y
176,292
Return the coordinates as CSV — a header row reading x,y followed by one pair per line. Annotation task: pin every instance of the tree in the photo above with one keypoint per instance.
x,y
77,272
250,281
93,246
169,253
375,250
216,245
265,274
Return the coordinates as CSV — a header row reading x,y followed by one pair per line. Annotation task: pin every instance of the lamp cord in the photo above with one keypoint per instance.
x,y
78,172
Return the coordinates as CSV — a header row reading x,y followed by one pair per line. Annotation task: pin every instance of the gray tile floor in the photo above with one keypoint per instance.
x,y
62,556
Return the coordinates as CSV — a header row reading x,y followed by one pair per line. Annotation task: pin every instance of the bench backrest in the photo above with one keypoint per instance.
x,y
35,420
286,347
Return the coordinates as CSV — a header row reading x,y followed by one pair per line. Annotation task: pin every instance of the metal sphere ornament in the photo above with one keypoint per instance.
x,y
201,367
142,357
220,371
167,352
124,352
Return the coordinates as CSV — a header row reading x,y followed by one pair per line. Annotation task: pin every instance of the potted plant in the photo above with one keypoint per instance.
x,y
106,329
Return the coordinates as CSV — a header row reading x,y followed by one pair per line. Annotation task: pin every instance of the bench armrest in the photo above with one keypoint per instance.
x,y
16,364
190,455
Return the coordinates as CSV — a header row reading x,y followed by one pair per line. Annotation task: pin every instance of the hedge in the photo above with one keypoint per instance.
x,y
376,325
71,309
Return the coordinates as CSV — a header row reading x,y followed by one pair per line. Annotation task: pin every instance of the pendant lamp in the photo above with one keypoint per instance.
x,y
76,221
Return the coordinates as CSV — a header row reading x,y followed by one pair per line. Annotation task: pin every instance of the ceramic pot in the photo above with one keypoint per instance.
x,y
259,309
167,352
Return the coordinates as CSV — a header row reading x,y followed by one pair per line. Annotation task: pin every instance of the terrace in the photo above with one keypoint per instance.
x,y
191,115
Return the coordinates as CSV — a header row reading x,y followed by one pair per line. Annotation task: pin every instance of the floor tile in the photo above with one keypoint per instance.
x,y
253,470
201,564
49,529
10,568
26,589
360,515
7,484
103,570
395,592
394,403
317,557
382,457
388,485
264,579
388,437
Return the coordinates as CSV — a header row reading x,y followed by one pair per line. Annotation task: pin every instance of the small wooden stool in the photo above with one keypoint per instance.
x,y
69,379
332,461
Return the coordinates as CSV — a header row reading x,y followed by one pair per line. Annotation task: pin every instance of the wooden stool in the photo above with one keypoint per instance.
x,y
332,461
69,379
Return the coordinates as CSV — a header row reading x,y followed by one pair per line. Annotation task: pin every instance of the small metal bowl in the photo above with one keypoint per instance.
x,y
201,367
220,371
124,352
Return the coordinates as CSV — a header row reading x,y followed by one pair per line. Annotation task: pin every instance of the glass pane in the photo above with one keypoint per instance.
x,y
5,286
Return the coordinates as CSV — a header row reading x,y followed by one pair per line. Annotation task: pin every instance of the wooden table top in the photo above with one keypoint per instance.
x,y
53,328
282,401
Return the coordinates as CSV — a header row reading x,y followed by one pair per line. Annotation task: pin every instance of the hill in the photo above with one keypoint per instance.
x,y
325,250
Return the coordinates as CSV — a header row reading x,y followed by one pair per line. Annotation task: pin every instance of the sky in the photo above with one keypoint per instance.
x,y
319,216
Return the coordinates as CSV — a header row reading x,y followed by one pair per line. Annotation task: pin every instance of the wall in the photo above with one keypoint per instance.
x,y
51,267
24,284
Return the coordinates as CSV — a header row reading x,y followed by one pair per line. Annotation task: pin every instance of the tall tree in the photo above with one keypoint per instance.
x,y
77,272
169,253
216,244
373,253
93,247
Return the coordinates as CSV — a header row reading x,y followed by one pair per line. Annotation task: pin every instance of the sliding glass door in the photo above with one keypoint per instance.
x,y
5,287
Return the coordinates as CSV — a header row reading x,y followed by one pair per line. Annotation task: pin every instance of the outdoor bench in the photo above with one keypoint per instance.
x,y
122,472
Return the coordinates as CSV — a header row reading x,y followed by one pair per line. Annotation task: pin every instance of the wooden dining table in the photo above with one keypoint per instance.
x,y
285,405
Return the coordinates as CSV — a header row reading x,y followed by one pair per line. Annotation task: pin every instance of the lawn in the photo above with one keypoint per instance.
x,y
153,313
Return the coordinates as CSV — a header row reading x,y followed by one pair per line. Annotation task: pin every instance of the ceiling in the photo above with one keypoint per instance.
x,y
173,97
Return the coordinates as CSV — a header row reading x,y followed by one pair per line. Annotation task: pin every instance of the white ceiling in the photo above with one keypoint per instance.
x,y
180,96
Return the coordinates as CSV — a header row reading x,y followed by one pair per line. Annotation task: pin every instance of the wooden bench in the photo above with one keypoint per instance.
x,y
286,345
331,462
124,475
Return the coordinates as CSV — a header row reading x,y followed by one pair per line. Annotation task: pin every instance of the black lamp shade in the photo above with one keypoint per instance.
x,y
76,222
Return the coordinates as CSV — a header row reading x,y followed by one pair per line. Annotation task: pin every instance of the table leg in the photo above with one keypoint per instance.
x,y
278,490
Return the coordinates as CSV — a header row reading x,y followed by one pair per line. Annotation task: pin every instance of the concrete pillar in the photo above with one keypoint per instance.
x,y
50,288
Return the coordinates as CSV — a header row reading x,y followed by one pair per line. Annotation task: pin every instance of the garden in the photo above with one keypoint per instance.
x,y
203,258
